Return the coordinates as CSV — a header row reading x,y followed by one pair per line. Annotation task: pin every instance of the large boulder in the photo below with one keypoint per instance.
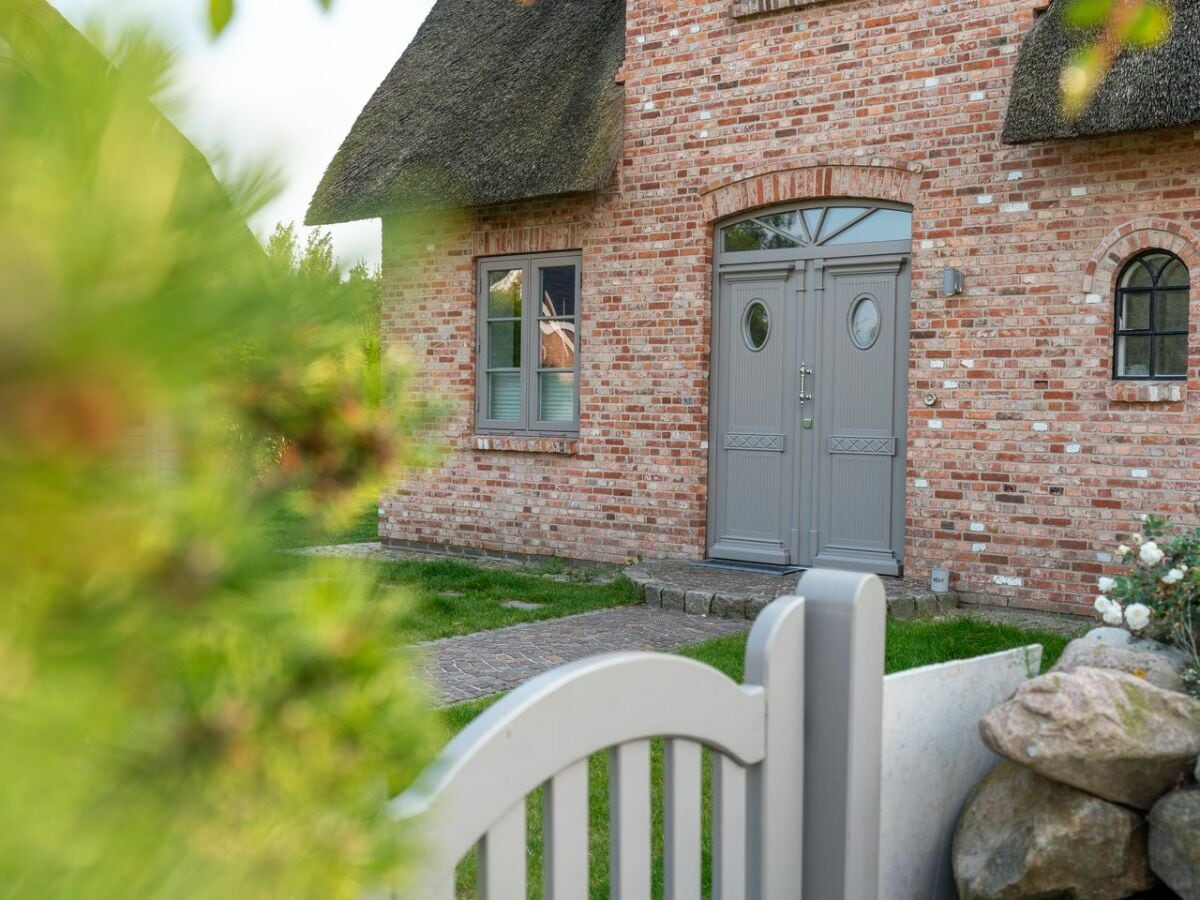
x,y
1108,733
1116,648
1175,842
1022,836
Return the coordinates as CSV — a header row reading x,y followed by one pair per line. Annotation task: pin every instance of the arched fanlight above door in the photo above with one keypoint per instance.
x,y
817,226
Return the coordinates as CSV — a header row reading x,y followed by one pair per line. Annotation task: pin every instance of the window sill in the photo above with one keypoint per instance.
x,y
1147,391
564,445
744,9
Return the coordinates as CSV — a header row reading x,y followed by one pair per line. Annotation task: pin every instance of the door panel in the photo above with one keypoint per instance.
x,y
754,450
861,415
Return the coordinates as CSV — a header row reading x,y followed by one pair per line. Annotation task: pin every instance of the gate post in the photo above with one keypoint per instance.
x,y
843,735
775,787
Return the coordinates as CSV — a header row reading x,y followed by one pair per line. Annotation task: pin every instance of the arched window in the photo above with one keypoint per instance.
x,y
1151,336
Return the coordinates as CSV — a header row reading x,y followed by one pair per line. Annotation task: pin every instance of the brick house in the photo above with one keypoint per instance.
x,y
816,284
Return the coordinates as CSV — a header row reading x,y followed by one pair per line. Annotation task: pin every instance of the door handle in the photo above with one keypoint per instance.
x,y
805,371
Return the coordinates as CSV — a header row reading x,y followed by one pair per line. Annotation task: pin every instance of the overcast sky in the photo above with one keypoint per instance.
x,y
283,84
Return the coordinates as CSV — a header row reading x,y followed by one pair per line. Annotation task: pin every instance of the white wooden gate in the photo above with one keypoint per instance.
x,y
542,734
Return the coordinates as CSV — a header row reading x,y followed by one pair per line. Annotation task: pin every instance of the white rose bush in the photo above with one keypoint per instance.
x,y
1159,595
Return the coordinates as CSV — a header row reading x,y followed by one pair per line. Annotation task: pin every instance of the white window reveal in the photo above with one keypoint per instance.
x,y
529,313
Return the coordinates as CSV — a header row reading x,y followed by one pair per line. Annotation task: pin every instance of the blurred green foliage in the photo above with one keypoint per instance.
x,y
184,711
1116,26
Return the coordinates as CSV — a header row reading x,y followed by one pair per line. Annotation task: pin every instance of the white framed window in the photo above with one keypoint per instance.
x,y
528,345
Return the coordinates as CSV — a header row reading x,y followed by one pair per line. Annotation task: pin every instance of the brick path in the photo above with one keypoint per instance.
x,y
476,665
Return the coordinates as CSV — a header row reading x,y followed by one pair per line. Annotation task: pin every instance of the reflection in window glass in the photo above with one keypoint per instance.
x,y
749,235
504,295
504,345
881,225
864,323
558,344
558,292
757,325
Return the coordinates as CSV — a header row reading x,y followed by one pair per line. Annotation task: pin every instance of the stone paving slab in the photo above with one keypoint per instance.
x,y
476,665
735,593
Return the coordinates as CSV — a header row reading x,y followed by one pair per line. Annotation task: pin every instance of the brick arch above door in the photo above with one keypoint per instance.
x,y
872,178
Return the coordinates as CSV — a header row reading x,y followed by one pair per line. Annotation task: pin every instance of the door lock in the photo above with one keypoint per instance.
x,y
805,371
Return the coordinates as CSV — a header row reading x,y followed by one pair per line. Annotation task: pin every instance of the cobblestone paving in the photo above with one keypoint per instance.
x,y
476,665
736,593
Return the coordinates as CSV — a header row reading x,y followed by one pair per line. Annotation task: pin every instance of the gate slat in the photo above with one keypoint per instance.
x,y
629,826
729,829
681,809
565,829
502,858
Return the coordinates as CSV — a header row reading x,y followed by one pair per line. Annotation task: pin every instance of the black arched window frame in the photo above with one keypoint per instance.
x,y
1158,295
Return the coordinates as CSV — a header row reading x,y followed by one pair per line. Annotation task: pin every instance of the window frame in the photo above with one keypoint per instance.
x,y
529,424
1151,332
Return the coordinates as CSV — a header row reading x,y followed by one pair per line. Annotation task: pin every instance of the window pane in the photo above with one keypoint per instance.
x,y
839,216
558,344
504,294
1171,311
504,396
504,345
881,225
558,291
1138,275
557,397
1134,312
789,222
756,325
750,235
812,217
1174,275
1133,357
1171,355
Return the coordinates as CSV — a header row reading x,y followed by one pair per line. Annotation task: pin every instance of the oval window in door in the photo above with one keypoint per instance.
x,y
864,323
756,325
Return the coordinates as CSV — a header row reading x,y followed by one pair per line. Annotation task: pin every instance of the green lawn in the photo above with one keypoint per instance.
x,y
453,598
289,528
910,644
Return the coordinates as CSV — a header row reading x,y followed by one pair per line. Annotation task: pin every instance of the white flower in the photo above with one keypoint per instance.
x,y
1137,539
1103,604
1173,577
1138,616
1183,568
1123,551
1150,555
1115,615
1145,517
1107,585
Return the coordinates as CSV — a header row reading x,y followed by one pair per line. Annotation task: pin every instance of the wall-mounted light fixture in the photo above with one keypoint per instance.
x,y
953,282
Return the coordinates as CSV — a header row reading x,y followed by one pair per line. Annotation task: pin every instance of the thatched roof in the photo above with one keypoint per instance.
x,y
1146,89
494,101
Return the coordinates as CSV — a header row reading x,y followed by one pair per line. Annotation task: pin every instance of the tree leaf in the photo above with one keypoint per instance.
x,y
1088,13
1148,27
220,13
326,4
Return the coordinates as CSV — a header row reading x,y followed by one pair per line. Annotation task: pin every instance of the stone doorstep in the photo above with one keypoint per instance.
x,y
905,600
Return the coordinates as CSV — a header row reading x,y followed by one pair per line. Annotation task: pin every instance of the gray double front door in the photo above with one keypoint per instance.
x,y
809,394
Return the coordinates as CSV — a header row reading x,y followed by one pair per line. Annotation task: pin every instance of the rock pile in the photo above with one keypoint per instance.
x,y
1096,797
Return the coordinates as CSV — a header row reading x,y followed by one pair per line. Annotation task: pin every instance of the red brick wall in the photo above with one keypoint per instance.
x,y
1032,465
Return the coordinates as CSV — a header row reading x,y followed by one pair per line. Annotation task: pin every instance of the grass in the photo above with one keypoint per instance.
x,y
453,598
289,528
910,644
